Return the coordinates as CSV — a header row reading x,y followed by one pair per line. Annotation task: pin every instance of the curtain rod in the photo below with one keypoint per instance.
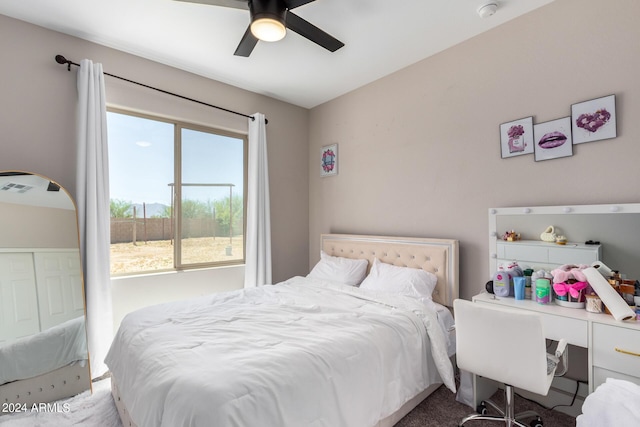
x,y
62,60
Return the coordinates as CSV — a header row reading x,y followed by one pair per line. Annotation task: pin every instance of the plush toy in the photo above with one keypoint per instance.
x,y
570,279
566,272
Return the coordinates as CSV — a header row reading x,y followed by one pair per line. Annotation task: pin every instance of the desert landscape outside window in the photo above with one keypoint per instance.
x,y
177,194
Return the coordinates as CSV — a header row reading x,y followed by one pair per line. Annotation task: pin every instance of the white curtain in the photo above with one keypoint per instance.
x,y
258,239
92,200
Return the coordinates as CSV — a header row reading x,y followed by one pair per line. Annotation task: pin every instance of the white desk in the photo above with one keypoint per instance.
x,y
613,347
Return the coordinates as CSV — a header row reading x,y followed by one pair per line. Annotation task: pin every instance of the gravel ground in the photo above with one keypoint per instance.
x,y
158,255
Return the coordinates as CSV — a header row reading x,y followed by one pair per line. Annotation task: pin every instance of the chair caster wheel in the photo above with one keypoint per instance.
x,y
536,423
482,409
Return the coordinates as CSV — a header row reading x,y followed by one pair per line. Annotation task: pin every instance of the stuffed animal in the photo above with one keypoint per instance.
x,y
566,272
570,279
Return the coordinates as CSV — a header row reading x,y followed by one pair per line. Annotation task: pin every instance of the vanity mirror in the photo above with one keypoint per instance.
x,y
43,344
614,226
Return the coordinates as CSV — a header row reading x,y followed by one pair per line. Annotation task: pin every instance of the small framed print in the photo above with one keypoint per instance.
x,y
329,160
516,137
553,139
594,120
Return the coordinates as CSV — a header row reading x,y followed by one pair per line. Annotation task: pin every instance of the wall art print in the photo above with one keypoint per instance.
x,y
553,139
516,137
329,160
594,120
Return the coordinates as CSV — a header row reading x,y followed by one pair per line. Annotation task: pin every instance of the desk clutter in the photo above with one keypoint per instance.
x,y
595,288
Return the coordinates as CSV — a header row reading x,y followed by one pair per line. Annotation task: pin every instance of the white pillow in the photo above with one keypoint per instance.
x,y
391,279
338,269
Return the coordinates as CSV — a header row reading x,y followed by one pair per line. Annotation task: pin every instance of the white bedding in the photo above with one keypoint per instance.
x,y
613,403
44,352
301,353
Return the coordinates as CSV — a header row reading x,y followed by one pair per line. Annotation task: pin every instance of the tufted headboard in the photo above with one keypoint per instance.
x,y
437,256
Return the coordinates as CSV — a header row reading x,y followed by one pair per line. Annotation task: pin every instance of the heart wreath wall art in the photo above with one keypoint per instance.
x,y
594,120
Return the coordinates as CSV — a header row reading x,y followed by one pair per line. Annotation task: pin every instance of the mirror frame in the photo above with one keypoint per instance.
x,y
69,379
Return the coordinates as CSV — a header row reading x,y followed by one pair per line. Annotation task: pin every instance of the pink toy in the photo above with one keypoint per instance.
x,y
569,271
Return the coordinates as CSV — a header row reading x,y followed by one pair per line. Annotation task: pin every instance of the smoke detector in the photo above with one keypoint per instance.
x,y
488,9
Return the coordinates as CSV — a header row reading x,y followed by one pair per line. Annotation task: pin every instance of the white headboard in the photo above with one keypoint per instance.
x,y
437,256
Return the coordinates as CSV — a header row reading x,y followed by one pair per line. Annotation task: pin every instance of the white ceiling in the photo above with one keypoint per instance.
x,y
36,193
380,36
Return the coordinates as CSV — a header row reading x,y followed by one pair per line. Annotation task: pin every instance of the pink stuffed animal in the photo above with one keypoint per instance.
x,y
569,271
570,279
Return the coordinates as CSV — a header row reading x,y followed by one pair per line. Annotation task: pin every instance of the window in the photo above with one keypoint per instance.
x,y
177,194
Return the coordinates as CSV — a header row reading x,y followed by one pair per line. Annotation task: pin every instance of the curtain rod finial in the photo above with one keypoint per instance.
x,y
62,60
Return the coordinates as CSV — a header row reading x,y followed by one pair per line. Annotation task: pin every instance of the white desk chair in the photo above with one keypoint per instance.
x,y
507,346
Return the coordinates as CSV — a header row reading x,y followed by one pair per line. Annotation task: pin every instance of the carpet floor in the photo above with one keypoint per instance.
x,y
438,410
441,409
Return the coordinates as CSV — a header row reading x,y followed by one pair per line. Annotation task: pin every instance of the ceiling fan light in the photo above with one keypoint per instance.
x,y
268,29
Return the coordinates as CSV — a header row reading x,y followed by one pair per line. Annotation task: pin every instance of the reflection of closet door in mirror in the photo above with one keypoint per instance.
x,y
43,342
18,299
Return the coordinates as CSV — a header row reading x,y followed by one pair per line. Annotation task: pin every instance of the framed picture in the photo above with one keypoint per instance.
x,y
553,139
329,160
516,137
594,120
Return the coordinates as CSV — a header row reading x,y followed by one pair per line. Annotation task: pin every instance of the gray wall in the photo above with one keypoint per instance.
x,y
419,149
37,118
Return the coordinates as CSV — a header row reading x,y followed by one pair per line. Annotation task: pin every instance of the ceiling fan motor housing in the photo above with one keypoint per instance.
x,y
270,9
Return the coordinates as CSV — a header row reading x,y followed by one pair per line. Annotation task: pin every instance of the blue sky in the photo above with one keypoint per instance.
x,y
141,161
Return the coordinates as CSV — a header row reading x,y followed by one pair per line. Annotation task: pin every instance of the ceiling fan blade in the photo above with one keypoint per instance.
x,y
291,4
246,45
236,4
313,33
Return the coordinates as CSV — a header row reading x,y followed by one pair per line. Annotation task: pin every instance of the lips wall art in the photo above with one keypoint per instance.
x,y
594,120
553,139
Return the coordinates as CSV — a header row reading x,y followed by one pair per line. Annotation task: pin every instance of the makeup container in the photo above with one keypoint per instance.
x,y
518,287
593,303
543,291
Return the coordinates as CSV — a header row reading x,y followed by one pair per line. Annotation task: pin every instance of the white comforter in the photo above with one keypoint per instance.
x,y
300,353
44,352
613,403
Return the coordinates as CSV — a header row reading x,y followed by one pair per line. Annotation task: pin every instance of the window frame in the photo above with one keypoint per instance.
x,y
178,126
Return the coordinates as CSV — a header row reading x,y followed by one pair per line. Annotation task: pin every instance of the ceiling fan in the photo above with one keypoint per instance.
x,y
269,21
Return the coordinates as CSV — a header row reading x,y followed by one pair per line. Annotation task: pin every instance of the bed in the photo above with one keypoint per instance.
x,y
308,351
615,402
46,366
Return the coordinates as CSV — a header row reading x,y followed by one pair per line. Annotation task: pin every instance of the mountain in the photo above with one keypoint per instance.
x,y
153,209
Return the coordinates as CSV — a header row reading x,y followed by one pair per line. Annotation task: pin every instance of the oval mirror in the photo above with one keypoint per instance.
x,y
43,341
